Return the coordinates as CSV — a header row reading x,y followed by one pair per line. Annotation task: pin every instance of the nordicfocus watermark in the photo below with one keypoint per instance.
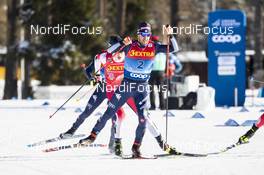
x,y
221,34
62,29
129,87
194,29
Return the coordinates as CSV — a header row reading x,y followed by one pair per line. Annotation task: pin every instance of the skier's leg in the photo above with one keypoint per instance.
x,y
118,122
260,121
111,143
118,99
95,100
245,138
141,99
118,138
115,144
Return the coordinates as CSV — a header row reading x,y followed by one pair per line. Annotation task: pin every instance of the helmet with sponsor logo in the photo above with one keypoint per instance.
x,y
144,28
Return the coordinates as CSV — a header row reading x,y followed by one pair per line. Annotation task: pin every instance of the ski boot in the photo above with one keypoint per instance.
x,y
165,146
118,147
171,150
135,150
245,138
67,134
88,140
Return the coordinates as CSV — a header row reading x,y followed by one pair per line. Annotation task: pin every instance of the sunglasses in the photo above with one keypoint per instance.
x,y
145,34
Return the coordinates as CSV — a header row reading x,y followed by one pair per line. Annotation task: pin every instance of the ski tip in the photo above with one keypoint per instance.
x,y
183,154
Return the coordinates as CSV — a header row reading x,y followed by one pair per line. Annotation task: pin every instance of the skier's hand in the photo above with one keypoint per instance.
x,y
97,78
87,71
127,40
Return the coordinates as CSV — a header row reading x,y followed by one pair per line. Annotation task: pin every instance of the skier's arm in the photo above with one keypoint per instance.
x,y
120,46
172,41
93,69
114,47
163,48
89,70
99,62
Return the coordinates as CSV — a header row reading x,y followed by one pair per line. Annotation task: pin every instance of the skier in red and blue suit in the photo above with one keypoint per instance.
x,y
105,79
139,58
111,68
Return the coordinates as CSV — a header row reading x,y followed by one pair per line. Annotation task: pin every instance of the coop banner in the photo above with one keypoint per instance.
x,y
226,56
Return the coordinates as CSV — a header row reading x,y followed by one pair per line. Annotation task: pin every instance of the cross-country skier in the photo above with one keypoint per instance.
x,y
112,75
245,138
139,57
100,94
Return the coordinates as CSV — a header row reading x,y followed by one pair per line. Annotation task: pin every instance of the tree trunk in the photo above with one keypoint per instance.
x,y
101,8
258,37
10,89
174,4
26,85
121,16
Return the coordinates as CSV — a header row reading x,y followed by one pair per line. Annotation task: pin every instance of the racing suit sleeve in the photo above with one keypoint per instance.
x,y
163,48
118,47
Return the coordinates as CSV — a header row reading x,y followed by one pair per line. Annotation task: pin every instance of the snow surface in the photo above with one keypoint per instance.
x,y
25,122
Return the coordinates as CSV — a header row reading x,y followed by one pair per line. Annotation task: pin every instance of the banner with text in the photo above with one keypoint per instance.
x,y
226,56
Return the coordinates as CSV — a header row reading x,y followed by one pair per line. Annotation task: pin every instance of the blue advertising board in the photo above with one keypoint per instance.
x,y
226,56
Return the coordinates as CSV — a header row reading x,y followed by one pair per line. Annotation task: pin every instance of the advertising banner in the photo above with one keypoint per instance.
x,y
226,56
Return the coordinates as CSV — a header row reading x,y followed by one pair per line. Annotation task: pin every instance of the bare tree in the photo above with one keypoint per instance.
x,y
101,8
25,77
10,89
174,4
258,37
120,20
3,22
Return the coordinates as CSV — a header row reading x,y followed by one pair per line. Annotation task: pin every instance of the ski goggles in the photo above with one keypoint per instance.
x,y
145,34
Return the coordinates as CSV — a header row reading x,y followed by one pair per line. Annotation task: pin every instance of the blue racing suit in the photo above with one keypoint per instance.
x,y
137,68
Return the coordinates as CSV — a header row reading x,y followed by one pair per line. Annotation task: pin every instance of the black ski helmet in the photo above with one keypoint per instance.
x,y
144,27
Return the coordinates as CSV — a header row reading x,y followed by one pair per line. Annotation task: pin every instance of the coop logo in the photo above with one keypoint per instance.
x,y
141,76
226,39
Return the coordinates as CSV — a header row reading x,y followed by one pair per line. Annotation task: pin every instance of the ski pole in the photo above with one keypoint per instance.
x,y
78,99
73,93
69,98
167,82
